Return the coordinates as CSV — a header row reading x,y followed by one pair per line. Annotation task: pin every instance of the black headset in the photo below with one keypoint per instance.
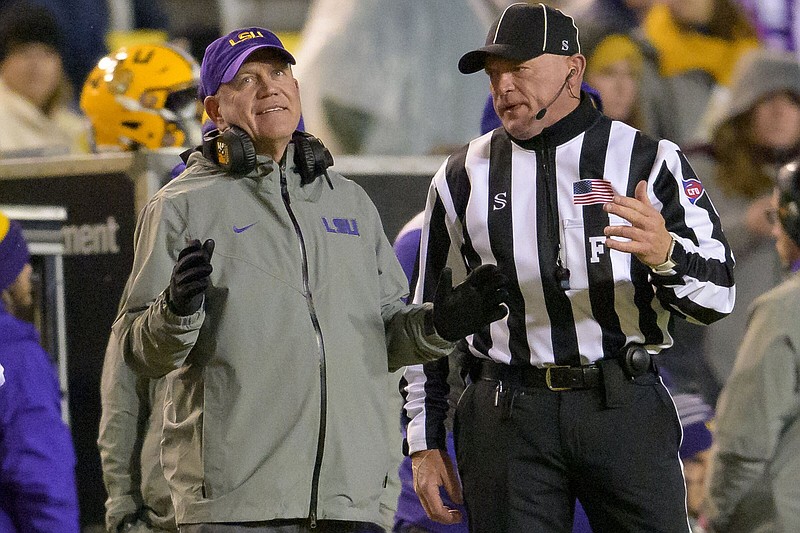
x,y
788,185
234,151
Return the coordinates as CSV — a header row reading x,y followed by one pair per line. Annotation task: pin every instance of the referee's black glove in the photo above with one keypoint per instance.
x,y
190,278
472,305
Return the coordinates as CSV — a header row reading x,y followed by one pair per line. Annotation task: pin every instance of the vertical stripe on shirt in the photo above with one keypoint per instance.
x,y
460,189
643,158
595,219
435,257
559,309
501,239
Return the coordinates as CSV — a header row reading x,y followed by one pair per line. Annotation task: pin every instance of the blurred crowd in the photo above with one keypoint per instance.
x,y
378,77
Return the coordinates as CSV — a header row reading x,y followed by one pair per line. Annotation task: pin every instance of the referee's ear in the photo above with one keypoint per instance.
x,y
577,63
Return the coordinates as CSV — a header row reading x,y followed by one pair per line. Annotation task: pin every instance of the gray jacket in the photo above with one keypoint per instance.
x,y
129,441
276,388
756,456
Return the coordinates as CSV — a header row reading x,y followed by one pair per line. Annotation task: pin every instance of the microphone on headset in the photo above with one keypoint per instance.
x,y
543,111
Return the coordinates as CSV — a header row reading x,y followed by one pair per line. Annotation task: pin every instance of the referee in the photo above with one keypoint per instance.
x,y
604,234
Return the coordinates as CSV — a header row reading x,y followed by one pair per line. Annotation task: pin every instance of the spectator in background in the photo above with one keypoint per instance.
x,y
752,484
34,93
116,97
37,460
86,24
614,69
366,88
705,35
599,19
698,45
758,131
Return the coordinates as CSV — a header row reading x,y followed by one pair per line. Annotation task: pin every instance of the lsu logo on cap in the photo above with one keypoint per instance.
x,y
244,36
693,189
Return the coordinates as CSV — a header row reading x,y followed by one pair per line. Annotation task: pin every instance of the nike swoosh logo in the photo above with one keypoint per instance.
x,y
239,230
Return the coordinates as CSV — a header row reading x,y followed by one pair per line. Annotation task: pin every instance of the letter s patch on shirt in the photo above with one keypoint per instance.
x,y
500,201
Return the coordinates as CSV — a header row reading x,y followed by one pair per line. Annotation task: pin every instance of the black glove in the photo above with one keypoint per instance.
x,y
127,523
472,305
190,278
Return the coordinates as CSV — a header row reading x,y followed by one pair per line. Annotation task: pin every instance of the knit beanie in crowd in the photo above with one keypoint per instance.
x,y
613,48
23,23
762,73
13,251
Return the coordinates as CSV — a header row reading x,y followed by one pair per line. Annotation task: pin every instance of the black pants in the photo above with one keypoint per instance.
x,y
523,467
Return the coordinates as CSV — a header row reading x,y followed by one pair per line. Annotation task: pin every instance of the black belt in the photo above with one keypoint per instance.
x,y
553,377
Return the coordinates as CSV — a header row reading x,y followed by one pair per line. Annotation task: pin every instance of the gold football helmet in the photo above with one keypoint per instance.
x,y
143,96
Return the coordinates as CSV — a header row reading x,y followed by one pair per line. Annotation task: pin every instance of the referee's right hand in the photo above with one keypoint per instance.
x,y
433,469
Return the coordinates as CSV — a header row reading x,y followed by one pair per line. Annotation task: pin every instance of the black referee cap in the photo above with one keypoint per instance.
x,y
523,32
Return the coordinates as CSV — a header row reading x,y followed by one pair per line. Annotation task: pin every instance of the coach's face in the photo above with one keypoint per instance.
x,y
521,89
263,99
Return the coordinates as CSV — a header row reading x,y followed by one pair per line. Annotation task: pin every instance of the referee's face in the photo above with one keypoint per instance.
x,y
521,89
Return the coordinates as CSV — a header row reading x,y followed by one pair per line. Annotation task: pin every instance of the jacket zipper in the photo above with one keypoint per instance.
x,y
323,401
553,220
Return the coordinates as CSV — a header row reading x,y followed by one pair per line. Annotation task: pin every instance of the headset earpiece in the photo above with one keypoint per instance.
x,y
311,158
572,73
231,149
234,151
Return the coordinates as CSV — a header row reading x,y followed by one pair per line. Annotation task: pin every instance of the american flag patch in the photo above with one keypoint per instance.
x,y
589,192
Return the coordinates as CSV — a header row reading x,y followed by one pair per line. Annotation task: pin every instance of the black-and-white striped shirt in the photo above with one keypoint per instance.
x,y
517,205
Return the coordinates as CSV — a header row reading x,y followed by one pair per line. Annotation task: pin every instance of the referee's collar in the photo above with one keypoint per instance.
x,y
569,127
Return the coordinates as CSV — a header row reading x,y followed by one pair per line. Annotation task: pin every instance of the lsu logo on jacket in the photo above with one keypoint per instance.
x,y
346,226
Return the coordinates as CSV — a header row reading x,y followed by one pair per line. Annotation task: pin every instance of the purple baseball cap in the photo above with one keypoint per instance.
x,y
224,57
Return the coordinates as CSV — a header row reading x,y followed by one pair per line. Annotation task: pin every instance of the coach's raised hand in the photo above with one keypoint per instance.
x,y
189,279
